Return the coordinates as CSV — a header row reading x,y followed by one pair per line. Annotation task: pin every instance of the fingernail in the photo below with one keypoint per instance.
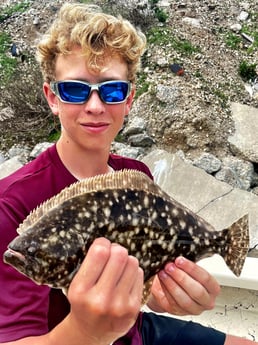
x,y
170,268
162,275
180,261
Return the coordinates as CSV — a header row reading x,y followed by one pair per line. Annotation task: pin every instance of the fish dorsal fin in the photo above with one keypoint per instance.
x,y
121,179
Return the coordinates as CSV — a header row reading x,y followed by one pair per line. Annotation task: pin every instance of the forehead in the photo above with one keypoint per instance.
x,y
76,65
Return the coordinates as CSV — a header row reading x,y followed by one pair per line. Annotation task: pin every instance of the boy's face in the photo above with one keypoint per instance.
x,y
94,124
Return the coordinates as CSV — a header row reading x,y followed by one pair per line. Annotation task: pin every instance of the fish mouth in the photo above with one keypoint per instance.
x,y
15,259
12,253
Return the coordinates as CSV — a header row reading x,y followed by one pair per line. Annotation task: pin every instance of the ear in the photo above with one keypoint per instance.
x,y
129,100
51,98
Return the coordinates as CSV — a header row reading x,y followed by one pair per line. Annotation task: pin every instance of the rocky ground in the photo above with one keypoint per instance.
x,y
189,112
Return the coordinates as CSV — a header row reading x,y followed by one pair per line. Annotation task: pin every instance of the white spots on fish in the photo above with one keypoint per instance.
x,y
154,215
175,212
78,226
135,221
127,207
207,242
192,247
110,203
52,239
132,246
191,231
94,208
171,244
137,208
146,201
145,246
196,240
62,234
106,212
114,235
169,223
151,234
182,224
84,214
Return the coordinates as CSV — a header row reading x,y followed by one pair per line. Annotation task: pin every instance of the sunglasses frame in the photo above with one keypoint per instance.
x,y
93,87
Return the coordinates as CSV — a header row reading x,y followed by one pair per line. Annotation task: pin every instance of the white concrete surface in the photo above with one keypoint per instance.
x,y
236,310
236,313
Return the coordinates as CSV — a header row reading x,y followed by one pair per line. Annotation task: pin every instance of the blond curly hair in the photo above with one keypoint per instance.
x,y
98,34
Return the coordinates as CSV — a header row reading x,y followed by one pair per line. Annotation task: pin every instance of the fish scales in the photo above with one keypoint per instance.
x,y
128,208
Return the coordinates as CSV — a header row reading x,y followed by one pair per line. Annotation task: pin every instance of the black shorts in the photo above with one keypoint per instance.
x,y
153,329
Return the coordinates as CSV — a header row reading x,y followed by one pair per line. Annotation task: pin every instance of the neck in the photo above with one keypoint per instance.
x,y
83,163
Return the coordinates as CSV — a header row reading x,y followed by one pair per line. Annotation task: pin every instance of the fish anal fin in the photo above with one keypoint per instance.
x,y
146,290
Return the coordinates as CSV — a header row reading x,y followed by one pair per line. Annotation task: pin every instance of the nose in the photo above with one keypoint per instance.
x,y
94,104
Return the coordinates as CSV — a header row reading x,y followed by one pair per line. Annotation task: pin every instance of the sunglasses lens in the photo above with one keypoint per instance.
x,y
114,92
77,92
73,92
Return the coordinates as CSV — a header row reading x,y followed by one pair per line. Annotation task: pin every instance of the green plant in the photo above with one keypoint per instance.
x,y
247,71
160,14
164,36
142,85
252,32
24,96
221,96
7,63
159,36
54,134
6,12
232,40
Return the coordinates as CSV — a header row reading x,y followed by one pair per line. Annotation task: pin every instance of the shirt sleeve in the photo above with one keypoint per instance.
x,y
21,313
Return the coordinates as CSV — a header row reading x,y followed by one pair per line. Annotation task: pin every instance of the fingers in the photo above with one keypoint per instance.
x,y
109,273
92,268
105,294
185,288
199,274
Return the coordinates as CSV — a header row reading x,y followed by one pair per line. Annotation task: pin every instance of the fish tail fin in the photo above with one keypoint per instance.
x,y
238,247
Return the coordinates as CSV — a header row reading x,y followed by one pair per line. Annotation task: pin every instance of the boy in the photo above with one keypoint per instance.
x,y
89,62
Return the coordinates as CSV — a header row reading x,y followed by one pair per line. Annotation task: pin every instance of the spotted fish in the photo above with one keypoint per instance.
x,y
126,207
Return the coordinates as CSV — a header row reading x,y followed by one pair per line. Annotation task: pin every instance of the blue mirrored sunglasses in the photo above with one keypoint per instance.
x,y
78,92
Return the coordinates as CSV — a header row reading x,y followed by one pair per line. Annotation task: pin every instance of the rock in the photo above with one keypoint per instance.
x,y
135,125
243,16
192,22
236,172
216,201
18,150
9,166
2,158
208,162
39,148
6,113
236,27
142,140
126,151
167,94
244,142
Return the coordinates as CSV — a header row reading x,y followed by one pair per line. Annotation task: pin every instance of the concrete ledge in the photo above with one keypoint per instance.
x,y
218,268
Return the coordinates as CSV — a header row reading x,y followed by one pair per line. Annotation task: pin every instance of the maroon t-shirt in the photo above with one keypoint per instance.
x,y
27,309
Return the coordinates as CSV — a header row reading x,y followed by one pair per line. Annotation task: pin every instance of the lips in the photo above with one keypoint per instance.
x,y
95,127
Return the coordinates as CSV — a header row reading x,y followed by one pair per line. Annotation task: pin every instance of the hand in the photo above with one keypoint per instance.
x,y
183,288
105,294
